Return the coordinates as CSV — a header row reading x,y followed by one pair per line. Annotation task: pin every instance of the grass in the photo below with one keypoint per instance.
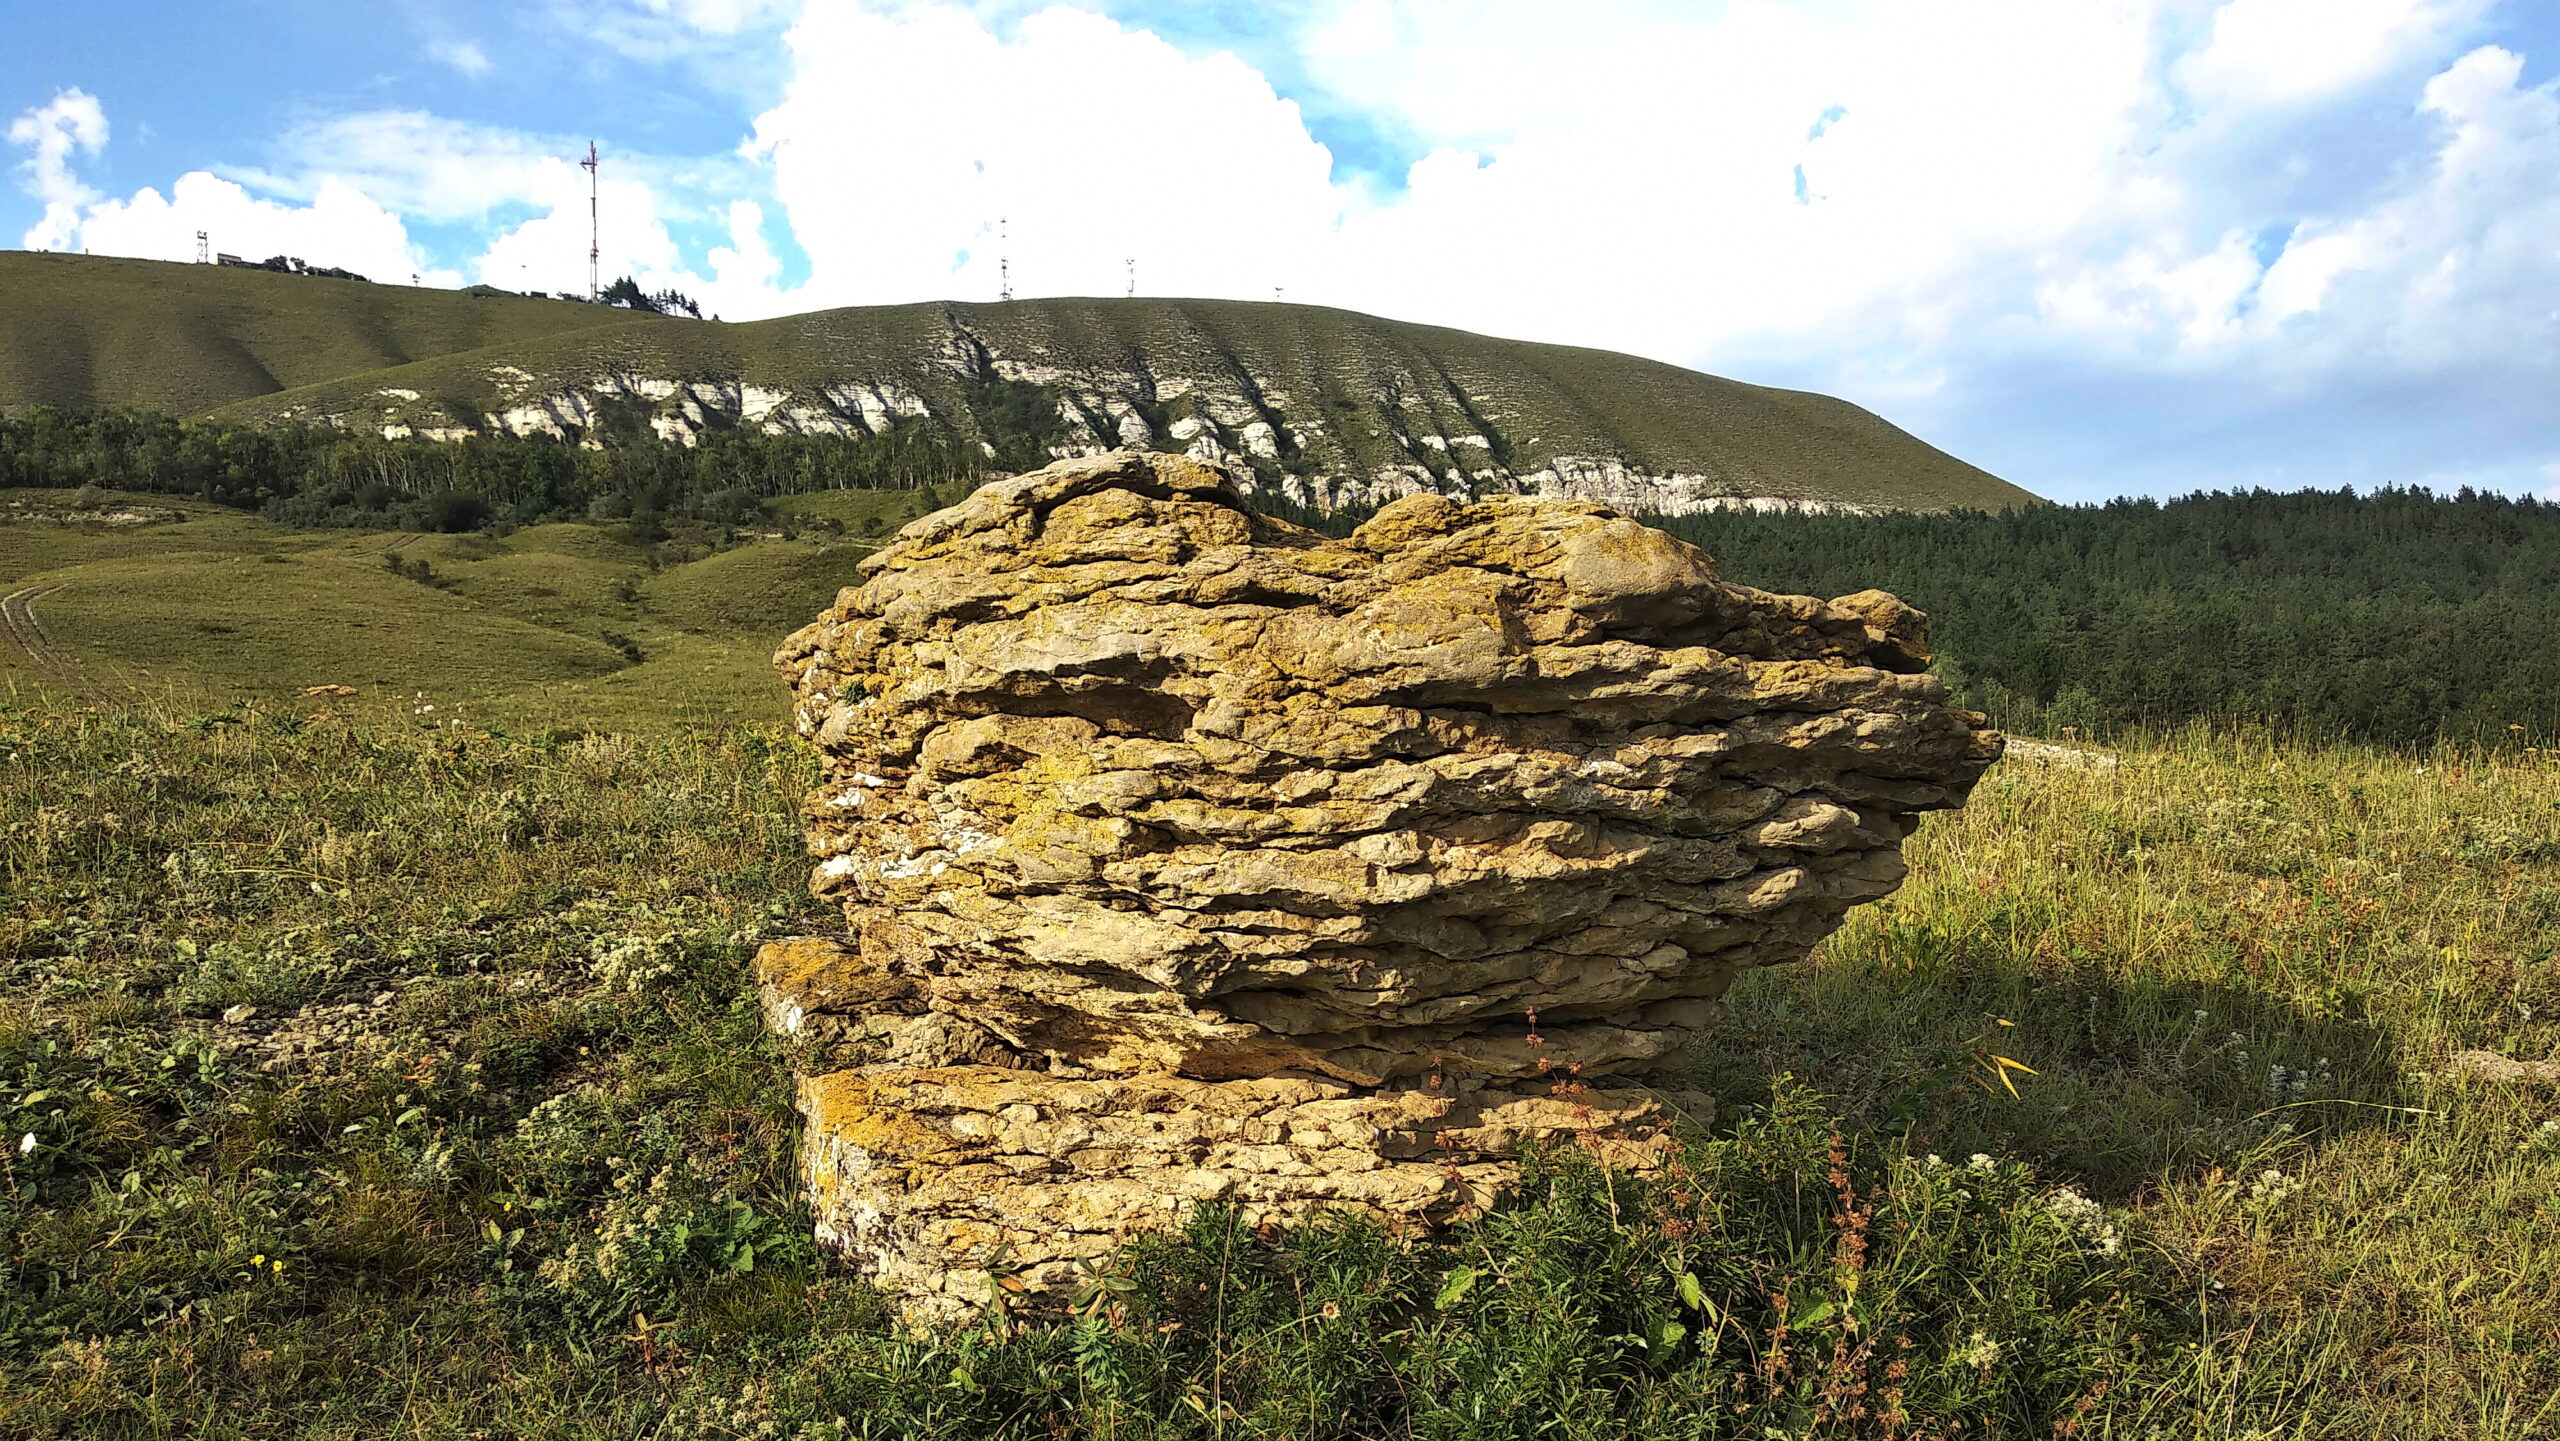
x,y
237,624
256,347
183,339
391,1070
207,608
747,590
502,1150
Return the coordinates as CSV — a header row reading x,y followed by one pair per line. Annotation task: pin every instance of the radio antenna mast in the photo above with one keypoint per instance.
x,y
204,248
595,224
1004,260
1133,279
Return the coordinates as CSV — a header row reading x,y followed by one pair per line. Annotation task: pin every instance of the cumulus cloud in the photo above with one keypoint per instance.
x,y
73,124
341,226
549,252
1094,143
347,189
2448,269
2287,51
336,222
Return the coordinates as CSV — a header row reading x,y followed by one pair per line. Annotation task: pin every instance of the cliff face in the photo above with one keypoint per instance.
x,y
1188,855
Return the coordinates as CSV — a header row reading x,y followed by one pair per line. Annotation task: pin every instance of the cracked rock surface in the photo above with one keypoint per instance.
x,y
1130,789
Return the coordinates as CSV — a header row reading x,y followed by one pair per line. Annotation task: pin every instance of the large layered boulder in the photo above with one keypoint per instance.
x,y
1187,854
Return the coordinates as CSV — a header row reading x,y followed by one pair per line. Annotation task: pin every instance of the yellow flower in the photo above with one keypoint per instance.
x,y
259,1259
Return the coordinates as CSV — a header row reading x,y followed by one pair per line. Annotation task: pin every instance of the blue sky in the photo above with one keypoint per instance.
x,y
2099,246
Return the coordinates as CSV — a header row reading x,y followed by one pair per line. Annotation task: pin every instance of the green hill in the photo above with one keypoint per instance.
x,y
1321,407
190,605
81,330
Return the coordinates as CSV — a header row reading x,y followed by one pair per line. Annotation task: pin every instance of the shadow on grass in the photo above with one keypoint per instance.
x,y
2120,1082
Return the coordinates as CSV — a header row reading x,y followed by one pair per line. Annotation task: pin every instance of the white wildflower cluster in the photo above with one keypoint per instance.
x,y
2233,1048
748,1416
1981,1350
1976,1167
2545,1137
2086,1219
629,1230
726,1424
2255,831
632,963
193,869
2272,1188
2288,1085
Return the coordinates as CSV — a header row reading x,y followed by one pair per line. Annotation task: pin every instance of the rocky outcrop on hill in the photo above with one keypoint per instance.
x,y
1188,855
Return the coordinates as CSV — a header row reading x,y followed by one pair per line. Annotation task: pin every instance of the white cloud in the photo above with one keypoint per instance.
x,y
1096,142
462,55
549,252
2449,266
2285,51
743,271
72,124
341,227
2551,472
415,163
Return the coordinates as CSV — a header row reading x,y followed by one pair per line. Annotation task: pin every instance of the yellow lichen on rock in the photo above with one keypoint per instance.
x,y
1135,796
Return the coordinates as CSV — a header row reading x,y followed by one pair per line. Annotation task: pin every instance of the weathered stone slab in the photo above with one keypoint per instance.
x,y
1129,788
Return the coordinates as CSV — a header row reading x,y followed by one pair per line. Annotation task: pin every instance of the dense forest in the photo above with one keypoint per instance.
x,y
2399,616
326,476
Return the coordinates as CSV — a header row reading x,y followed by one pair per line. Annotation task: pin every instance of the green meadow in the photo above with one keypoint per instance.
x,y
189,605
385,1065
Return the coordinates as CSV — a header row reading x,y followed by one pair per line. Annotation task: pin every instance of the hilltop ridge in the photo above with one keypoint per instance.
x,y
1323,407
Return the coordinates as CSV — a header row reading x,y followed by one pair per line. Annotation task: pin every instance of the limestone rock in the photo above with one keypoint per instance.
x,y
1128,785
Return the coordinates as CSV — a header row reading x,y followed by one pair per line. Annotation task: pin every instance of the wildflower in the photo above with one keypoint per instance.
x,y
1979,1162
2086,1218
1980,1351
26,1143
2272,1187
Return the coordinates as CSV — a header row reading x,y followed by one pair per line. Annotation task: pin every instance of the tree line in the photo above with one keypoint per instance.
x,y
2399,616
326,476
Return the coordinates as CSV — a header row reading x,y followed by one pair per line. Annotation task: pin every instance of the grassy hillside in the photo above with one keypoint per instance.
x,y
387,1077
79,330
195,606
1362,391
1318,403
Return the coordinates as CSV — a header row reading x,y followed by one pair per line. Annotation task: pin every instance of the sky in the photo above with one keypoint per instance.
x,y
2099,247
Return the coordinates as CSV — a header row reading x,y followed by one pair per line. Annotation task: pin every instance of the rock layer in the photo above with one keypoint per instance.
x,y
1246,840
